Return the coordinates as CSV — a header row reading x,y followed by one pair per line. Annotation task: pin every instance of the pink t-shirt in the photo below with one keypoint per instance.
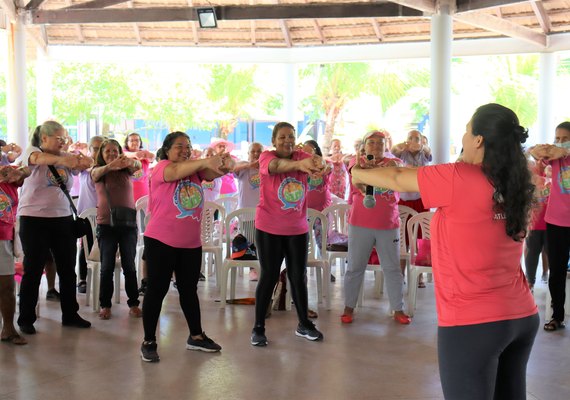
x,y
542,193
319,196
282,208
140,180
228,185
477,271
175,209
8,207
384,215
558,209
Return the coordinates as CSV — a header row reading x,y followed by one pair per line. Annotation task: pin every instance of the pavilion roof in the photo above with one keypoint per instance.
x,y
282,23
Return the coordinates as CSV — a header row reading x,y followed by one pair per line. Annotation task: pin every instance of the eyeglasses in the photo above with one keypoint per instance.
x,y
60,139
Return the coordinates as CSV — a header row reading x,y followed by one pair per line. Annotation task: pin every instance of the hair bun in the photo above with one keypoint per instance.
x,y
520,133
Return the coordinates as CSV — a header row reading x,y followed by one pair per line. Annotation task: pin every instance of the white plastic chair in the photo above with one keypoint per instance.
x,y
212,237
422,220
405,213
337,218
142,220
230,203
245,218
93,260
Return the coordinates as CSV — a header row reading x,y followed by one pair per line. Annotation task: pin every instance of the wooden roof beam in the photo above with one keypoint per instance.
x,y
95,4
34,4
286,33
319,31
252,30
426,6
541,16
474,5
504,27
377,30
235,13
136,27
9,8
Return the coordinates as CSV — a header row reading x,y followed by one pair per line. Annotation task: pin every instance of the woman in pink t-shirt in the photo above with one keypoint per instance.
x,y
374,225
172,238
557,219
282,229
487,316
134,149
339,173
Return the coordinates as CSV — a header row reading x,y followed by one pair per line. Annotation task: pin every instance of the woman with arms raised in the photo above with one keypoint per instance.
x,y
487,316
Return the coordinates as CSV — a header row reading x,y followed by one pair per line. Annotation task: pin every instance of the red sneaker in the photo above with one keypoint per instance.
x,y
346,318
402,318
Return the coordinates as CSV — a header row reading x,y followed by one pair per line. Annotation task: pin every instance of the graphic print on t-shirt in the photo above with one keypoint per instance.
x,y
254,181
6,214
315,182
188,198
564,179
62,173
291,193
383,192
138,175
208,185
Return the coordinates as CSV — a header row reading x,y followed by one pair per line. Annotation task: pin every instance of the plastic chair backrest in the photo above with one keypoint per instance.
x,y
317,250
405,213
245,222
337,216
142,208
230,204
91,215
422,220
208,230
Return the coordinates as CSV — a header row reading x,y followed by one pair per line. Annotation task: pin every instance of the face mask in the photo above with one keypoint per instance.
x,y
565,145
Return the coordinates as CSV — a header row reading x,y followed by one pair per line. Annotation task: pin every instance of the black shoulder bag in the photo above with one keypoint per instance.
x,y
80,225
120,216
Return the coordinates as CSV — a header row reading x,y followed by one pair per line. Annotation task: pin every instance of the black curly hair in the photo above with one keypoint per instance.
x,y
505,165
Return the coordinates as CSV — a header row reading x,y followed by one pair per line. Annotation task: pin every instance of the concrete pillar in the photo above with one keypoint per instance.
x,y
290,100
440,106
546,123
44,94
17,106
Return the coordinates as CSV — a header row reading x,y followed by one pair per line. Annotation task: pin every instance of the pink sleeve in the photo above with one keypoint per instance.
x,y
264,160
158,171
436,184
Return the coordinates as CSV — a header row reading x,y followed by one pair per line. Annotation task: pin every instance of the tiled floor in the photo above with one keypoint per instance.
x,y
373,358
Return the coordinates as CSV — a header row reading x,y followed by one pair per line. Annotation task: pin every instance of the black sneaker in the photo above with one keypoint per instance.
x,y
258,337
82,287
148,352
76,322
309,331
202,277
142,289
206,344
53,295
28,329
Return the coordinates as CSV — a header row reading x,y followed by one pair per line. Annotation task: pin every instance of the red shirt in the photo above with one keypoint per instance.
x,y
477,271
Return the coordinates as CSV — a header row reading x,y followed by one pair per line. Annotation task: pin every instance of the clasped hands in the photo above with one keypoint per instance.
x,y
222,163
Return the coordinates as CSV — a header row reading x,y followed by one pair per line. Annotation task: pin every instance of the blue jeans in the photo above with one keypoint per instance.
x,y
125,239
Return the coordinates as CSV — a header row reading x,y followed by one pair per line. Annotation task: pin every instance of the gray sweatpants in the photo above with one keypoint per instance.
x,y
360,244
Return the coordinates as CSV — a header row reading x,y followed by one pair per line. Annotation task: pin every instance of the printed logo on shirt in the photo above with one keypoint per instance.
x,y
6,214
188,198
315,183
564,179
291,193
138,175
543,193
499,216
62,173
387,194
254,181
208,185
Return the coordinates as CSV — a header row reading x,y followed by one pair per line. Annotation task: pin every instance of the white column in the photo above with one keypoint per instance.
x,y
16,102
44,94
546,123
290,100
440,106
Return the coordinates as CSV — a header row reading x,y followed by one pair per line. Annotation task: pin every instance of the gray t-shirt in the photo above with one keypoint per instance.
x,y
248,181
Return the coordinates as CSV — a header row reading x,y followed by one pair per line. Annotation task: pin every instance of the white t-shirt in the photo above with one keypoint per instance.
x,y
41,196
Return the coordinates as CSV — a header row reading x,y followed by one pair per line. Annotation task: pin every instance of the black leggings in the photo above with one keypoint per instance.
x,y
535,244
272,249
161,261
558,241
486,361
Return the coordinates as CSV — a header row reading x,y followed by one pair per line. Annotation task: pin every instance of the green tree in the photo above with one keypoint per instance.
x,y
81,91
232,92
516,86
